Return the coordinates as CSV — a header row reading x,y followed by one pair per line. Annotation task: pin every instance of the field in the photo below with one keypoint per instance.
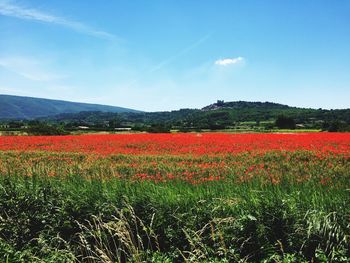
x,y
206,197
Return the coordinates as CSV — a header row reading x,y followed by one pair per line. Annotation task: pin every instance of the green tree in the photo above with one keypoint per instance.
x,y
284,122
42,128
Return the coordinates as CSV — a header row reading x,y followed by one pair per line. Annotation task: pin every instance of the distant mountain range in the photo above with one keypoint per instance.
x,y
219,115
18,107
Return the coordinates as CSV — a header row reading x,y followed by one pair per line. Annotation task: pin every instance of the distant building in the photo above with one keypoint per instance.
x,y
220,102
122,129
83,127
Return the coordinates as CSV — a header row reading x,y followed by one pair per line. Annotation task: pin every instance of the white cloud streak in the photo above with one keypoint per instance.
x,y
229,61
7,8
9,90
172,58
180,53
28,68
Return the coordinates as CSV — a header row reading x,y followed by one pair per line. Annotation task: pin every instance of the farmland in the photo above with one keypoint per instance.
x,y
196,197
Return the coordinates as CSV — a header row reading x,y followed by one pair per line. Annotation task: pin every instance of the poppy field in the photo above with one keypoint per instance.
x,y
195,144
183,197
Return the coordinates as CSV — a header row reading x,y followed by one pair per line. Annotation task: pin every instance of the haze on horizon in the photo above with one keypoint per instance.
x,y
166,55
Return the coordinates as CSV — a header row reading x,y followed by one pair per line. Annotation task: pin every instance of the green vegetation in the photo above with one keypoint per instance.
x,y
251,116
75,219
237,116
42,128
84,218
284,122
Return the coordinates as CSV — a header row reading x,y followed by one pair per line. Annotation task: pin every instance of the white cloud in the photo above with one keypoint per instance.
x,y
28,68
229,61
9,9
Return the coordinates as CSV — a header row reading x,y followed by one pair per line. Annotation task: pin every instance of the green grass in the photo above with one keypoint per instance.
x,y
72,207
295,131
52,219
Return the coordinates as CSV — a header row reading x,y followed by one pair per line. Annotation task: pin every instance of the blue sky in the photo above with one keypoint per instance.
x,y
165,55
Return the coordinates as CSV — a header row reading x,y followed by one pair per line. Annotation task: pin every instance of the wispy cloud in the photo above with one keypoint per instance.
x,y
229,61
28,68
8,90
173,57
8,8
180,53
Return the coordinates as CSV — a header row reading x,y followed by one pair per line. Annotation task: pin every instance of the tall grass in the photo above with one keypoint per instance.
x,y
85,216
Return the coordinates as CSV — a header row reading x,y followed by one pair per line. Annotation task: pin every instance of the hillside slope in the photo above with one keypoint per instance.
x,y
18,107
218,115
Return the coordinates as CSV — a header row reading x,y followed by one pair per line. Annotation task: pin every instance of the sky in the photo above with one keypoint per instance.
x,y
157,55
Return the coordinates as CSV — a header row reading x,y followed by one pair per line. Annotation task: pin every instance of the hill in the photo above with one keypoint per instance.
x,y
220,115
18,107
237,115
220,104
